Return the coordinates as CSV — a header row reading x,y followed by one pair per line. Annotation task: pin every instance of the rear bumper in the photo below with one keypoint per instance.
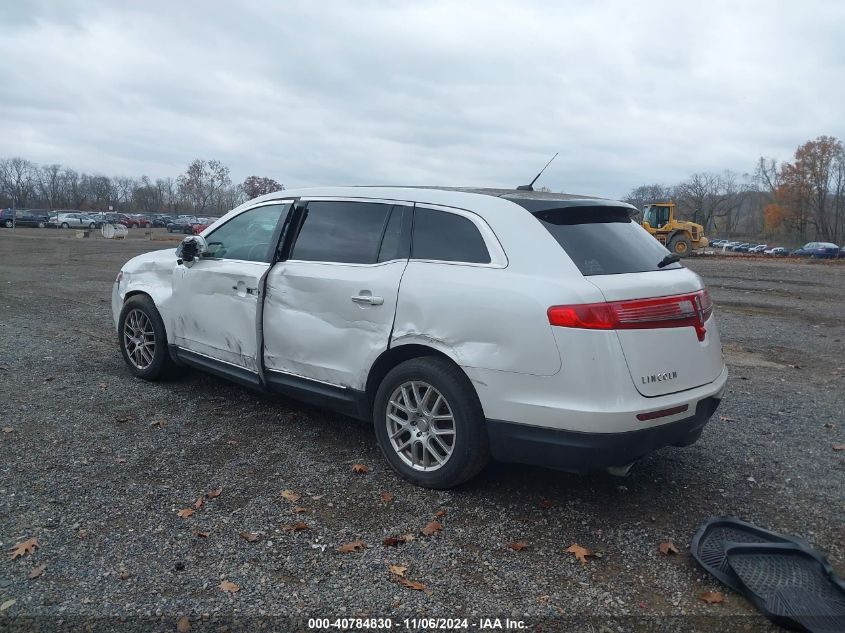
x,y
581,452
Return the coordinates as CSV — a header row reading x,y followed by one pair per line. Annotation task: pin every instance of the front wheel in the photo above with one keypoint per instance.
x,y
92,226
8,224
65,225
681,246
143,340
41,225
429,423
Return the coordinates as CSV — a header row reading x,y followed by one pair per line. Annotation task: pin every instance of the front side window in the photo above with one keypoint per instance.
x,y
341,231
447,237
246,236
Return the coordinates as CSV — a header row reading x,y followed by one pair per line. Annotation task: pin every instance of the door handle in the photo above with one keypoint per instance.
x,y
368,300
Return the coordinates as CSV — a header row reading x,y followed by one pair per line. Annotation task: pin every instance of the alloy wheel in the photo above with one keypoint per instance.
x,y
139,339
420,426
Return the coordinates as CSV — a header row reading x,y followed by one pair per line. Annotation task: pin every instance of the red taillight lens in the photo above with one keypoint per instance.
x,y
689,310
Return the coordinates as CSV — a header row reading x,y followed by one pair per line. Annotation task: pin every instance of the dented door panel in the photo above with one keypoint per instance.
x,y
327,321
214,307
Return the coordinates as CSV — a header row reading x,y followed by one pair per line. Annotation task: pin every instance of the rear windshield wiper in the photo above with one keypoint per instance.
x,y
671,258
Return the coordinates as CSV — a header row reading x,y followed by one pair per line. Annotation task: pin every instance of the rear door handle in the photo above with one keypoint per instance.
x,y
368,300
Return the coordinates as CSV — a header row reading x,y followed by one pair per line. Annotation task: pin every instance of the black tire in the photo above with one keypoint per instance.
x,y
92,226
680,245
471,450
65,225
162,365
8,224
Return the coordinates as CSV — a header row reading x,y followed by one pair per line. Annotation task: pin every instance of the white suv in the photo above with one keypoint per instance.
x,y
531,327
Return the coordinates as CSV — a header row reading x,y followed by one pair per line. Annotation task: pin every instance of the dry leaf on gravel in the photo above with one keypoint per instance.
x,y
183,624
201,534
184,513
296,527
37,571
300,509
431,528
440,514
360,469
8,603
387,497
232,442
198,503
667,547
8,429
213,494
518,546
725,418
249,537
120,460
412,584
124,417
24,547
839,447
352,546
712,597
291,496
398,570
581,553
229,587
393,541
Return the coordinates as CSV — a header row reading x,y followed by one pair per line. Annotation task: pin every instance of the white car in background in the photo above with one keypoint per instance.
x,y
74,220
531,327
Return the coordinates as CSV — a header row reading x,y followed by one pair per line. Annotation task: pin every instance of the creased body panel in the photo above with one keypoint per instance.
x,y
151,274
489,317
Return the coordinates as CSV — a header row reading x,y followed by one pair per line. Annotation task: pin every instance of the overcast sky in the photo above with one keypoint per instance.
x,y
453,93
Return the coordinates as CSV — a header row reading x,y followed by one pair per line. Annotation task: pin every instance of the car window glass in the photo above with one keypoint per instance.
x,y
393,246
447,237
246,236
341,231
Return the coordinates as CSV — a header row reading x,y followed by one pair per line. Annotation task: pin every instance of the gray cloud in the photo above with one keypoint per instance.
x,y
446,92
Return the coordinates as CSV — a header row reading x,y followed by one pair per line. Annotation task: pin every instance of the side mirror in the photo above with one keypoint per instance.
x,y
191,249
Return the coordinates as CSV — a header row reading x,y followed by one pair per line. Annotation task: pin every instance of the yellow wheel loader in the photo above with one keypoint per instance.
x,y
678,236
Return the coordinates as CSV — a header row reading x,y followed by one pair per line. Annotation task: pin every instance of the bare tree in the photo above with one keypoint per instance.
x,y
255,186
50,184
17,180
202,182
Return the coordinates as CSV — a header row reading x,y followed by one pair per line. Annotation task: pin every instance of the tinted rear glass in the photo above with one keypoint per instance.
x,y
447,237
604,240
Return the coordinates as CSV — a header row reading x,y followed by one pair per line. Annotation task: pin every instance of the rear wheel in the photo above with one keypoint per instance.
x,y
65,225
8,224
41,225
429,423
143,340
680,245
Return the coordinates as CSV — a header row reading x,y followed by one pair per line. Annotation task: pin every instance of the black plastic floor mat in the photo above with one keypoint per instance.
x,y
791,585
783,576
709,543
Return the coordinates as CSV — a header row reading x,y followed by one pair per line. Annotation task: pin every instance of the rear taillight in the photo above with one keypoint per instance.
x,y
688,310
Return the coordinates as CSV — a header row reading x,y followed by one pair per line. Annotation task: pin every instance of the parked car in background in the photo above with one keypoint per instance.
x,y
777,251
74,220
818,250
759,248
183,224
161,220
20,217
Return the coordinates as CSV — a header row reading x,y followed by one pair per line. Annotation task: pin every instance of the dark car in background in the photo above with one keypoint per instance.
x,y
818,250
183,224
10,218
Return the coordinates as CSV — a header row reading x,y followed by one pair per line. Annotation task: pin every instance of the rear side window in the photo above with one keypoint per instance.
x,y
340,231
447,237
604,240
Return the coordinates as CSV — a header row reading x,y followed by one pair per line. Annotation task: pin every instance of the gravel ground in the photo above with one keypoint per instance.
x,y
97,465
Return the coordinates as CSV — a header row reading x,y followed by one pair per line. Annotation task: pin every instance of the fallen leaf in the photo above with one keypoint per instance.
x,y
24,547
232,442
184,513
581,553
360,469
229,587
440,514
544,599
198,503
712,597
103,386
667,547
518,546
183,624
387,497
36,572
213,494
291,496
545,503
725,418
159,423
398,570
827,425
296,527
839,447
393,541
431,528
353,546
8,429
124,574
412,584
315,497
249,537
300,509
201,534
124,417
120,460
7,604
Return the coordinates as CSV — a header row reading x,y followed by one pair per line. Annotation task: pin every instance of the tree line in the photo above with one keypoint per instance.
x,y
205,188
793,201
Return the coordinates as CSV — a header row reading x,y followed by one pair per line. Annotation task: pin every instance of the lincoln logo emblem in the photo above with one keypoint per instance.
x,y
661,377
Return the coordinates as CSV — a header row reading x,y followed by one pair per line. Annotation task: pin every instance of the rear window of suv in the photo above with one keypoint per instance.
x,y
604,240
